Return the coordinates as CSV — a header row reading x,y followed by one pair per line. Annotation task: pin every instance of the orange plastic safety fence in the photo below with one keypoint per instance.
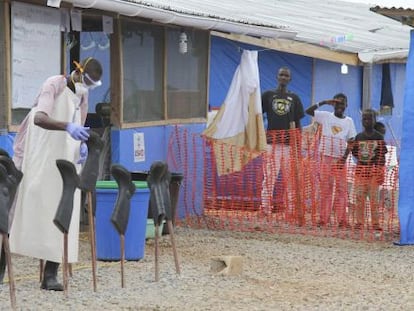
x,y
299,184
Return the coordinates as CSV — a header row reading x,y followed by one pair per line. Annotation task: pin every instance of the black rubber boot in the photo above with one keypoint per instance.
x,y
2,265
49,281
126,189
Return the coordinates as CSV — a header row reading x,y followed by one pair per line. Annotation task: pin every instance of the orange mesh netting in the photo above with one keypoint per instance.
x,y
296,186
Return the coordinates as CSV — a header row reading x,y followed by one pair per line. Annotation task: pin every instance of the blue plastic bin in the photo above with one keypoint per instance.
x,y
108,241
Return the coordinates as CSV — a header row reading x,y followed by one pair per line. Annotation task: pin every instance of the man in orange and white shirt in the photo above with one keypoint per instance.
x,y
337,129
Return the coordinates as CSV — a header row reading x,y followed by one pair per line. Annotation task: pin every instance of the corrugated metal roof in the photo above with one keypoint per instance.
x,y
391,4
335,25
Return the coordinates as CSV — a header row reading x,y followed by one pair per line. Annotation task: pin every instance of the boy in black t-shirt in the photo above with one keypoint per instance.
x,y
369,150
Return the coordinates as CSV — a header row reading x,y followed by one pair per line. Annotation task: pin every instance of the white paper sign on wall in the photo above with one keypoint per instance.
x,y
139,147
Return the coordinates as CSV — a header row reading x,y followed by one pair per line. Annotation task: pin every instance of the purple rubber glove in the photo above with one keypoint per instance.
x,y
77,132
83,153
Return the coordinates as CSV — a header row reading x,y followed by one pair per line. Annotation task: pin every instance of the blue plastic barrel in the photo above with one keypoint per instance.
x,y
108,242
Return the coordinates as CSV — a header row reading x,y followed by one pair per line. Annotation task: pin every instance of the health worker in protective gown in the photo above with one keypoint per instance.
x,y
53,129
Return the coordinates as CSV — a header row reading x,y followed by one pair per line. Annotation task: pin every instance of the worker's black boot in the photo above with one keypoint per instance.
x,y
49,281
2,265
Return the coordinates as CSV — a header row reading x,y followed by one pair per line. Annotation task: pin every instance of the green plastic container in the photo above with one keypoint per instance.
x,y
111,184
150,232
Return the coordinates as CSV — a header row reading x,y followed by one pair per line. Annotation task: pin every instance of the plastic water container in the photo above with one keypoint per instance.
x,y
108,241
150,233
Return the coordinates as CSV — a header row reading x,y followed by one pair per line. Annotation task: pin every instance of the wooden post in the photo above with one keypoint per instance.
x,y
41,269
92,238
65,263
156,253
171,231
297,161
122,260
12,286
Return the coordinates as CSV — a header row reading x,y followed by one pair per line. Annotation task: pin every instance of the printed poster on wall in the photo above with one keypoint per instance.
x,y
139,147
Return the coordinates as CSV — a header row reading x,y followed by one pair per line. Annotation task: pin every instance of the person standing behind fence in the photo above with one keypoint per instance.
x,y
284,110
337,129
369,149
380,127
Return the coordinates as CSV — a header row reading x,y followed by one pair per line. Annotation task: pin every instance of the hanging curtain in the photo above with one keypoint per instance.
x,y
387,100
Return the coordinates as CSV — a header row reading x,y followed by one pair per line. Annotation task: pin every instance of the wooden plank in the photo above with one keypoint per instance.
x,y
313,82
295,47
116,74
162,122
63,55
208,74
165,77
5,87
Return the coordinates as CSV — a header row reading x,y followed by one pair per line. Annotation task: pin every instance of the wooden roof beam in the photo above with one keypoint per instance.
x,y
295,47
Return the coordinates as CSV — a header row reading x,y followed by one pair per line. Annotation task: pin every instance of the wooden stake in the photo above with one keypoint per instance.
x,y
156,254
171,232
70,270
297,161
41,268
122,260
65,263
92,238
12,285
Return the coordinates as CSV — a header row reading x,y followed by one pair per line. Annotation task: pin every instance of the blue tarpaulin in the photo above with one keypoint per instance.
x,y
406,172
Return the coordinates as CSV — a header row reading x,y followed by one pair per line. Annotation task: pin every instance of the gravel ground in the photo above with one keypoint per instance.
x,y
280,272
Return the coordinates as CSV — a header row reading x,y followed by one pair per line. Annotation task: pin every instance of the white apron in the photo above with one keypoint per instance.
x,y
33,232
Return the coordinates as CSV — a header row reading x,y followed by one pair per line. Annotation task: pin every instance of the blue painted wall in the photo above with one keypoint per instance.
x,y
156,140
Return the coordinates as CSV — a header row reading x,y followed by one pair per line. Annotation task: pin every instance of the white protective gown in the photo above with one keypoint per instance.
x,y
33,232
